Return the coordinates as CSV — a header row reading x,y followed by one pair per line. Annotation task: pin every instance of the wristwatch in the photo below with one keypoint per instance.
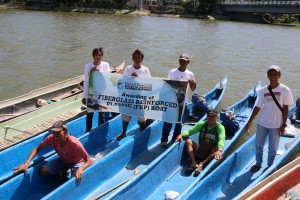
x,y
284,125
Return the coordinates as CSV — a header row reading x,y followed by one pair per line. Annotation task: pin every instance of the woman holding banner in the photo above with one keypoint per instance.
x,y
96,65
137,70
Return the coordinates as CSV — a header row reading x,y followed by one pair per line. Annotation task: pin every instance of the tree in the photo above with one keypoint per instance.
x,y
206,7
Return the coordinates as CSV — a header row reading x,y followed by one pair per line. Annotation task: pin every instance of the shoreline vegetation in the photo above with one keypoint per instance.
x,y
176,11
114,11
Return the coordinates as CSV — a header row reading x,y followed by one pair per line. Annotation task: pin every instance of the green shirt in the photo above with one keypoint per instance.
x,y
215,135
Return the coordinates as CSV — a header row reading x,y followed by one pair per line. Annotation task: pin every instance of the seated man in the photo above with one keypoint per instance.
x,y
69,149
211,142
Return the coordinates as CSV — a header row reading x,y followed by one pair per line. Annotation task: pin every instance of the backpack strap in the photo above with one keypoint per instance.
x,y
275,100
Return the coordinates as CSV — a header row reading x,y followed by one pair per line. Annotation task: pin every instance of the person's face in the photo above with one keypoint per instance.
x,y
273,76
98,57
137,59
58,135
183,63
212,119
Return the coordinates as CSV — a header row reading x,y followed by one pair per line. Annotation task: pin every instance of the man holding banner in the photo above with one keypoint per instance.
x,y
136,70
180,73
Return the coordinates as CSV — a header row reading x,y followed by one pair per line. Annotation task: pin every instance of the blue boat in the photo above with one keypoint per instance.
x,y
35,186
233,176
18,153
166,173
125,157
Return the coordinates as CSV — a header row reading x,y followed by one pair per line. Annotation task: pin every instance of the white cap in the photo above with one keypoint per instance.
x,y
275,67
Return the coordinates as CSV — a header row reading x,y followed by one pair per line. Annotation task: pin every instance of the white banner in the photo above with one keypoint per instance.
x,y
151,98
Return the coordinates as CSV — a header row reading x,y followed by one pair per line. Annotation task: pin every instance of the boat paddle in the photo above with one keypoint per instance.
x,y
135,172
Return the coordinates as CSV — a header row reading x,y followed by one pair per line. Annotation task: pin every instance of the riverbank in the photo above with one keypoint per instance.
x,y
105,11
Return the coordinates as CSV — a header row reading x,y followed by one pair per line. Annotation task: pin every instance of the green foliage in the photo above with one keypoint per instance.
x,y
174,8
288,19
188,5
206,7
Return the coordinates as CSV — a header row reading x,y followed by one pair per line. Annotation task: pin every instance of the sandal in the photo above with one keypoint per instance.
x,y
190,170
255,168
198,170
120,137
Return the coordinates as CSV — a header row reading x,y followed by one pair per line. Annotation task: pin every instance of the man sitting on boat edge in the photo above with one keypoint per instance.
x,y
69,149
211,142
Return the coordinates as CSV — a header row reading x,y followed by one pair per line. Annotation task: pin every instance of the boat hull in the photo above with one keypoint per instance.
x,y
166,173
20,105
234,176
135,153
277,184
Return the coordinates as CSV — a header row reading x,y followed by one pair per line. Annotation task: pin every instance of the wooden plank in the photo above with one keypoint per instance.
x,y
67,94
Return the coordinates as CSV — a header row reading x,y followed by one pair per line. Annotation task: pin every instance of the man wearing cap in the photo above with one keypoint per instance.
x,y
211,142
272,118
180,73
69,149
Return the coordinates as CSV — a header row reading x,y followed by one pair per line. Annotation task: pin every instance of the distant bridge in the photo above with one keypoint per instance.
x,y
273,7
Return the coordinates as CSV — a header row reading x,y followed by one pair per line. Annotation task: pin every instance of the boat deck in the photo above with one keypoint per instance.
x,y
33,123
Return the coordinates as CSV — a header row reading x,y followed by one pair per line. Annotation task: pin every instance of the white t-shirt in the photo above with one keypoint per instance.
x,y
103,67
175,74
270,115
141,72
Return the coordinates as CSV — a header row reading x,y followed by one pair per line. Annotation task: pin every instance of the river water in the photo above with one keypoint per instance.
x,y
38,48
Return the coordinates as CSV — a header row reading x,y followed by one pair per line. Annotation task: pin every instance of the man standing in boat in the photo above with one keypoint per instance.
x,y
72,154
96,65
180,73
137,70
273,101
211,142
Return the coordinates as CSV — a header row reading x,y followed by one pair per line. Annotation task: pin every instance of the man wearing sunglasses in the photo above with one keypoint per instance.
x,y
72,154
211,142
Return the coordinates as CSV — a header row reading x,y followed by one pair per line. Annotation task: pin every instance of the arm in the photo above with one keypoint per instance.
x,y
285,112
193,85
221,142
79,171
85,84
24,166
253,115
191,131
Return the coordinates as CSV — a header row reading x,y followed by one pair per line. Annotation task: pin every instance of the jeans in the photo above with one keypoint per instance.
x,y
166,131
261,135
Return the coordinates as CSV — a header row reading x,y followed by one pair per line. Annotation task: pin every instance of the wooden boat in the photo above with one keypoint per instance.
x,y
20,105
166,173
31,124
18,153
234,176
276,185
136,150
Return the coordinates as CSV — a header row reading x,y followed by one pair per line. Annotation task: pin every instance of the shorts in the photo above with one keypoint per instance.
x,y
57,165
127,118
204,150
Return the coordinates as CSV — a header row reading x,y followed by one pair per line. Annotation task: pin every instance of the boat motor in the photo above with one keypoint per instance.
x,y
228,121
200,107
295,118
